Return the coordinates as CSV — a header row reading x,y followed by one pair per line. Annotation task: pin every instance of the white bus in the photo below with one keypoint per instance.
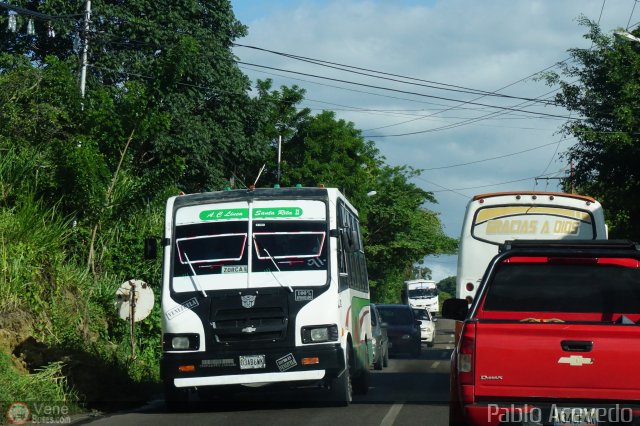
x,y
421,294
264,286
494,218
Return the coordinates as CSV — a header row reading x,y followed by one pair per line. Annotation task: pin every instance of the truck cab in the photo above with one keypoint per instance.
x,y
552,337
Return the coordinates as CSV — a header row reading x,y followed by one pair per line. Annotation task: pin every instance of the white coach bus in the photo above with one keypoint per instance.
x,y
264,286
491,219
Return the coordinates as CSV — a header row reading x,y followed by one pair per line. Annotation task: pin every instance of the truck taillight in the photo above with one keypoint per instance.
x,y
466,353
470,286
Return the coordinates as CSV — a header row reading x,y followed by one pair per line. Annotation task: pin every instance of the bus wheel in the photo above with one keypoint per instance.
x,y
362,381
379,363
175,399
341,386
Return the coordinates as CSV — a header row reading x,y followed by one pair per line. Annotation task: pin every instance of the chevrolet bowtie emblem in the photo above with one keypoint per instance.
x,y
575,360
249,329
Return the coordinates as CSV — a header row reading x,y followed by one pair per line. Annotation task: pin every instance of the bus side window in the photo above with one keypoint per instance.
x,y
343,278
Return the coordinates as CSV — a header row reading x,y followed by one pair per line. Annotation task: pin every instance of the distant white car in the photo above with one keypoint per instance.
x,y
427,326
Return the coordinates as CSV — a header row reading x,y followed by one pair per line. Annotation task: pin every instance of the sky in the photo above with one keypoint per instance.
x,y
435,70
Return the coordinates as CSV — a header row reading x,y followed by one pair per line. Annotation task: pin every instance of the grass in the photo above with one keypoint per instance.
x,y
48,385
73,335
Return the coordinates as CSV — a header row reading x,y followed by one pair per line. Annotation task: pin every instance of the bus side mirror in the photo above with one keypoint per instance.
x,y
455,309
150,248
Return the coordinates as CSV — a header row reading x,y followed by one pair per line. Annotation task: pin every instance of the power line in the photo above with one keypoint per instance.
x,y
445,107
462,123
475,99
347,88
491,185
444,188
387,76
604,2
448,108
405,91
39,15
635,2
493,158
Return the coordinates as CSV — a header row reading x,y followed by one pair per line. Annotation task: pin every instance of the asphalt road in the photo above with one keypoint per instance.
x,y
410,391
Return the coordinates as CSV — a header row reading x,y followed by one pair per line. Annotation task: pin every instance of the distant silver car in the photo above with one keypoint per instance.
x,y
380,341
427,326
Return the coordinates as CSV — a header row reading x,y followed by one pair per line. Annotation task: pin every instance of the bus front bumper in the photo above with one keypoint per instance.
x,y
300,364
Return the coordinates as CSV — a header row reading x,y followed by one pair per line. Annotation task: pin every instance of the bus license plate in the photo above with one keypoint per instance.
x,y
251,361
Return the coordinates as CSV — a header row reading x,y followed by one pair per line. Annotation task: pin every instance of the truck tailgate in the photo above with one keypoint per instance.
x,y
598,361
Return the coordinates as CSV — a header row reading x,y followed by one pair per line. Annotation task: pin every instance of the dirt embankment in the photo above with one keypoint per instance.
x,y
100,384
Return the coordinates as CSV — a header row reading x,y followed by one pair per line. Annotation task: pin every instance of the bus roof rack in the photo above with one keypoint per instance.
x,y
569,244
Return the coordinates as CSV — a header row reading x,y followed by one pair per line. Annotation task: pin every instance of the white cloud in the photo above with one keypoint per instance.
x,y
478,44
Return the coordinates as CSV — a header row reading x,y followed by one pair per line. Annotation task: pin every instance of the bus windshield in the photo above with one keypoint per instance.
x,y
292,245
422,293
209,246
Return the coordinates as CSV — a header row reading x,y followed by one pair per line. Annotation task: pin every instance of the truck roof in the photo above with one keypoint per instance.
x,y
538,245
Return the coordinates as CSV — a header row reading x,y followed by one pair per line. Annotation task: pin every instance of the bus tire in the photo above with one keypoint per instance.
x,y
341,387
175,399
379,363
362,382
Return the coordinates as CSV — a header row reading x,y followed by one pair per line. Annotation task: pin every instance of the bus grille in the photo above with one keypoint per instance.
x,y
256,324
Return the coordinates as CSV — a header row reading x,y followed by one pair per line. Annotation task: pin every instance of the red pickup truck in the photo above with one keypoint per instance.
x,y
552,338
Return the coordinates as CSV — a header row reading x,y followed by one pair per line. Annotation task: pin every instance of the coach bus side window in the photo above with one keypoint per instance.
x,y
343,281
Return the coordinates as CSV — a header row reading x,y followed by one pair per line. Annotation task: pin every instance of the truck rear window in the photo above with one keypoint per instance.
x,y
562,287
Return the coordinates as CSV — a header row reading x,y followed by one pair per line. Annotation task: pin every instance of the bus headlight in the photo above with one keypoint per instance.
x,y
181,342
320,333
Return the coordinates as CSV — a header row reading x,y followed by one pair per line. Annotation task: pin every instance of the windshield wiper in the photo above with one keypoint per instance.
x,y
274,264
194,276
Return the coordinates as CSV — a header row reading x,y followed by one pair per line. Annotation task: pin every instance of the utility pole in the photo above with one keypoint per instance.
x,y
571,177
85,48
279,157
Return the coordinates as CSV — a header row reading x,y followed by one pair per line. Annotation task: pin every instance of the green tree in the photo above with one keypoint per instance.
x,y
177,59
448,285
400,231
420,272
602,85
397,229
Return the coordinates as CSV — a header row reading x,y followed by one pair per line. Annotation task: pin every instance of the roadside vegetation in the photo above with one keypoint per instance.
x,y
83,181
602,85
